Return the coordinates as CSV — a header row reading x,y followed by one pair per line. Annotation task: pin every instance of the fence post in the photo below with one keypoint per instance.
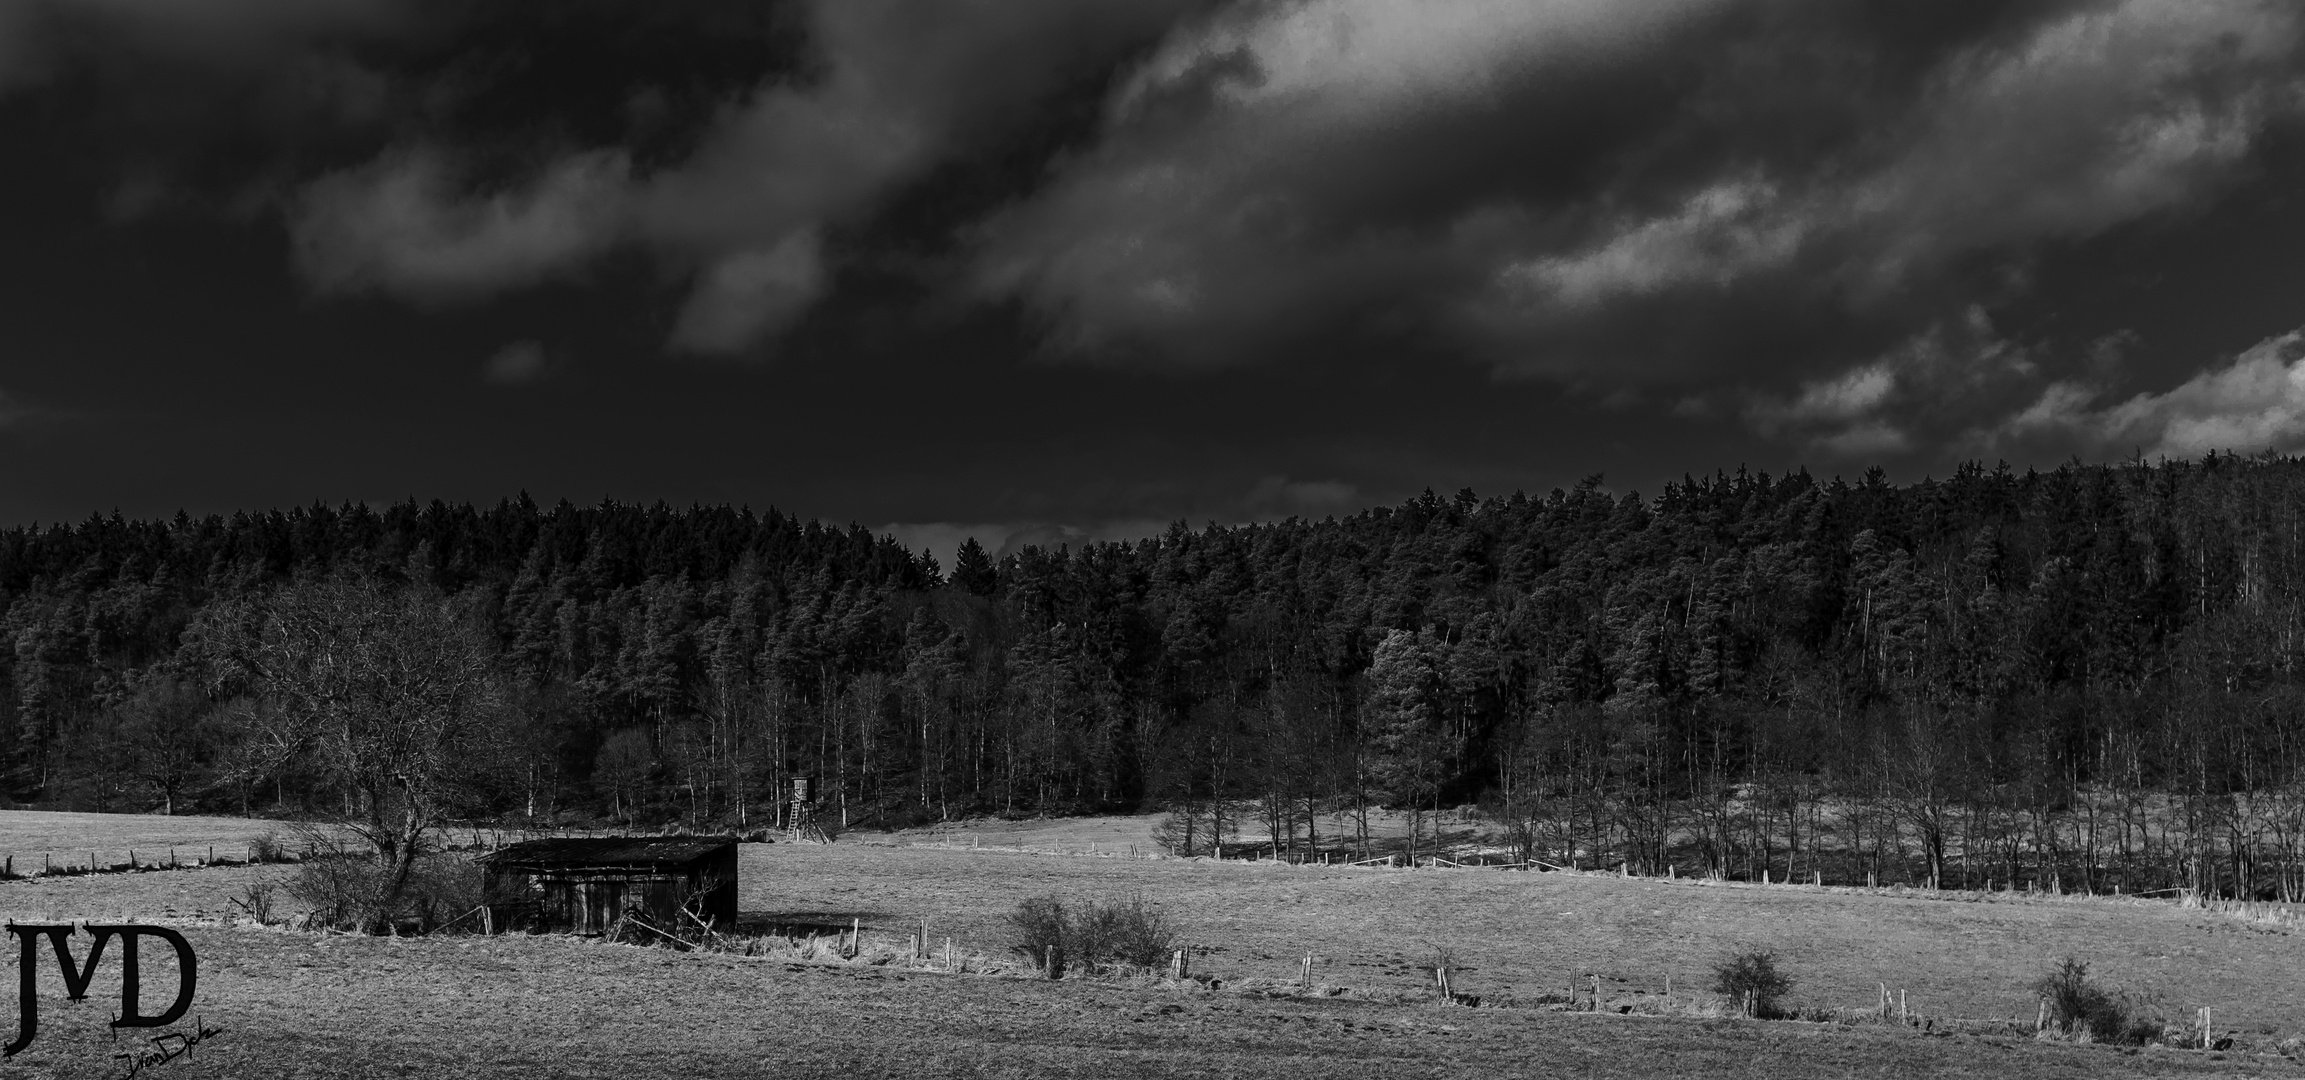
x,y
1056,962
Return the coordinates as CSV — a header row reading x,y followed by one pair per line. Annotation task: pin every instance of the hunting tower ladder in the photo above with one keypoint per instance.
x,y
800,824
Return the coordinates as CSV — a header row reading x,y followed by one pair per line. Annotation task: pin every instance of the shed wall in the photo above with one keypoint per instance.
x,y
589,899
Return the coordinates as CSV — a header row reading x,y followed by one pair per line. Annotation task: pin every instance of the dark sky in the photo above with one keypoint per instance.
x,y
1044,268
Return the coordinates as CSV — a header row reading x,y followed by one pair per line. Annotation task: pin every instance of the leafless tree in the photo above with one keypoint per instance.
x,y
386,691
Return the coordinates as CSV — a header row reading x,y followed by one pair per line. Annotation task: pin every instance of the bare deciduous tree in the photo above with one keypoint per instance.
x,y
386,691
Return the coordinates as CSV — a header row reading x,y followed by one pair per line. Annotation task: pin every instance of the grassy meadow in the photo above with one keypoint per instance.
x,y
33,838
291,1003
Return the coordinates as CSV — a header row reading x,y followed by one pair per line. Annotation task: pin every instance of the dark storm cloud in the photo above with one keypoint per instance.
x,y
1606,194
1533,183
1237,244
885,92
41,38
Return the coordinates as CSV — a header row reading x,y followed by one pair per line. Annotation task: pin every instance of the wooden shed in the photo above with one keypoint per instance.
x,y
585,883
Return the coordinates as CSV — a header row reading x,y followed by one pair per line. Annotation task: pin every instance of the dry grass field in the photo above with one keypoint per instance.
x,y
71,840
297,1004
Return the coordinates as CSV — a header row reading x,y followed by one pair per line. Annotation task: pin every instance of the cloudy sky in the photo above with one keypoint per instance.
x,y
1045,268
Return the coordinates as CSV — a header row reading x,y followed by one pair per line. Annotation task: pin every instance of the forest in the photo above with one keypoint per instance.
x,y
2087,675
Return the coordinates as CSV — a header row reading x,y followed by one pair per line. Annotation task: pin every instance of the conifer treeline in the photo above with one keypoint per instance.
x,y
2088,674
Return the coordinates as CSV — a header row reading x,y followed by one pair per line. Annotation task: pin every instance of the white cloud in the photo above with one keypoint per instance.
x,y
1853,394
2110,113
1933,381
1354,61
2255,403
399,225
1838,415
1868,439
751,294
517,364
1719,235
2103,116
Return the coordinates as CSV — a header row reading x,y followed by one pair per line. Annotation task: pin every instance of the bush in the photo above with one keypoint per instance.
x,y
1754,974
340,893
2085,1011
346,892
443,890
1035,925
1126,931
256,900
265,849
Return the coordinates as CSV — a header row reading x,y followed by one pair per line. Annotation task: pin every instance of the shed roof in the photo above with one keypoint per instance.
x,y
596,850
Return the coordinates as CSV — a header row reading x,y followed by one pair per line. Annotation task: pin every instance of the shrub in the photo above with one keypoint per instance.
x,y
340,893
256,900
1037,923
265,849
1126,931
443,890
2085,1011
346,892
1754,974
